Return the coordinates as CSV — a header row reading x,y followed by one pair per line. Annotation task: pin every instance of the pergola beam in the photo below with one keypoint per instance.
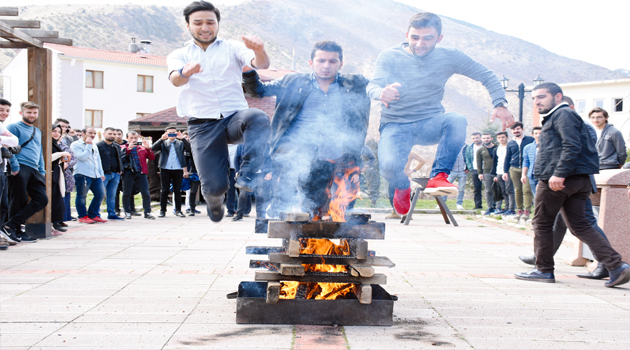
x,y
18,23
13,45
59,41
8,11
38,33
12,34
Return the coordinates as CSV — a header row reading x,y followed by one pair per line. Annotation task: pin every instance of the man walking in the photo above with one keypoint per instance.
x,y
470,153
566,157
88,175
409,80
610,143
171,146
210,71
135,155
514,166
111,158
506,186
485,161
28,174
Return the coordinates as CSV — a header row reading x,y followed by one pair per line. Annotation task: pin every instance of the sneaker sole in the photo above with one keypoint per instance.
x,y
441,191
544,280
624,278
6,237
244,188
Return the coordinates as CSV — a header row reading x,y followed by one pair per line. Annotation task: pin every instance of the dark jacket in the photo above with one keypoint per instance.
x,y
143,153
611,148
103,149
292,90
469,157
164,146
565,147
485,157
514,154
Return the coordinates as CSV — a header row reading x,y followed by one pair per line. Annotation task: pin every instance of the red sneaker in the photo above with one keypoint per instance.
x,y
86,220
402,200
98,219
439,186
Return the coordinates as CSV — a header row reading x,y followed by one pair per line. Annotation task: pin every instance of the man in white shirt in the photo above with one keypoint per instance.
x,y
507,188
209,71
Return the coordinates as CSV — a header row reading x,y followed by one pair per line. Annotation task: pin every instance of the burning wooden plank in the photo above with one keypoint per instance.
x,y
326,229
279,258
338,278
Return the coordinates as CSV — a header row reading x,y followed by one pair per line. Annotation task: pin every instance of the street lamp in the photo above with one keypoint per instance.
x,y
521,93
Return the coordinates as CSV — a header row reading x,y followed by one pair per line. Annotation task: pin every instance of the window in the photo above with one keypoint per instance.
x,y
598,103
617,105
581,106
140,115
93,79
145,83
94,118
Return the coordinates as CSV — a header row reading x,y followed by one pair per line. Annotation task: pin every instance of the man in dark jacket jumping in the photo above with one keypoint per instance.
x,y
566,157
318,129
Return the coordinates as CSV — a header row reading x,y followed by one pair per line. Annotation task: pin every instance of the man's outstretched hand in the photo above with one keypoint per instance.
x,y
254,43
390,93
504,115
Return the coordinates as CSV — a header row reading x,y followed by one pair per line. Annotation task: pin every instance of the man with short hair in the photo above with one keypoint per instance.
x,y
121,142
529,160
566,157
171,147
485,161
64,124
28,173
88,176
409,80
470,155
319,127
111,158
611,146
134,159
514,166
507,188
6,140
209,69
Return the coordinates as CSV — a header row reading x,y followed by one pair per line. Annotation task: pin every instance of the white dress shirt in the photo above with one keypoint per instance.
x,y
216,90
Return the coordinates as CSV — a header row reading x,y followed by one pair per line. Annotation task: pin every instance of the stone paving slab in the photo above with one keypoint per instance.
x,y
162,284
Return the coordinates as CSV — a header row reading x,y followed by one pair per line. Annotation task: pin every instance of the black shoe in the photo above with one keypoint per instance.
x,y
237,217
180,214
27,239
245,181
214,207
619,276
62,224
128,216
4,247
12,234
8,238
135,213
191,214
535,275
162,214
528,259
73,218
599,273
149,216
59,228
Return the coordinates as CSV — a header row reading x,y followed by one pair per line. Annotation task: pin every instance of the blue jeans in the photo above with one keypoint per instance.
x,y
461,177
111,185
83,184
447,130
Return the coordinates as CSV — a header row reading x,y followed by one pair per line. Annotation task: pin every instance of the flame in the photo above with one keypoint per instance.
x,y
314,290
345,189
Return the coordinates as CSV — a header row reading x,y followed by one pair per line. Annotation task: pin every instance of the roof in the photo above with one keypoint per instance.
x,y
597,82
170,117
111,56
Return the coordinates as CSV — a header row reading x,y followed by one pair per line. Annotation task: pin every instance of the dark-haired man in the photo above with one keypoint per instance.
x,y
610,143
409,80
514,167
319,125
566,157
506,186
6,140
485,162
209,69
111,158
135,155
88,176
470,157
171,147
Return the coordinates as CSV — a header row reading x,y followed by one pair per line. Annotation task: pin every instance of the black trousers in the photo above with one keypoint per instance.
x,y
232,196
175,177
244,203
194,188
477,188
4,201
28,182
130,180
209,140
571,202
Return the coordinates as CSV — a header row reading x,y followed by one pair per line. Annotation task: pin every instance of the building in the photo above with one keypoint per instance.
x,y
96,88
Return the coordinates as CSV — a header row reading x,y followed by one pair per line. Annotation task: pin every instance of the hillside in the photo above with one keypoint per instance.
x,y
363,27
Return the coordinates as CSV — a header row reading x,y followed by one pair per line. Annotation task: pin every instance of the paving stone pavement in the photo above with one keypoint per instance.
x,y
162,284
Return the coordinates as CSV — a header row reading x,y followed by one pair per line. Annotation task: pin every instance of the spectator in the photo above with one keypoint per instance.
x,y
6,140
172,162
231,197
244,197
264,188
88,175
68,175
120,141
506,186
485,161
190,173
135,155
459,173
58,191
78,133
111,158
28,174
470,156
529,159
514,166
65,125
611,146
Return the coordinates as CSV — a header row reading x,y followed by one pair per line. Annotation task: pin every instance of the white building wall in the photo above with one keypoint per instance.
x,y
71,85
16,84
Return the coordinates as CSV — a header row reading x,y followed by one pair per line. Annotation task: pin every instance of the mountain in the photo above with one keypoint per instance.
x,y
364,28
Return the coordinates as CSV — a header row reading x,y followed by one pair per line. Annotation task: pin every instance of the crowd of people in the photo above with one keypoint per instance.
x,y
317,136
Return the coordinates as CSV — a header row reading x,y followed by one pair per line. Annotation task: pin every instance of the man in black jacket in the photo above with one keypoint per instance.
x,y
111,158
318,128
513,166
171,146
566,157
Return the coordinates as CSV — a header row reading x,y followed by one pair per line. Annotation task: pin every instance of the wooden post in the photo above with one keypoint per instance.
x,y
40,92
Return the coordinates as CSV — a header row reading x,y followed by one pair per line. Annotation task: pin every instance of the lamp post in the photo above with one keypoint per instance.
x,y
521,93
